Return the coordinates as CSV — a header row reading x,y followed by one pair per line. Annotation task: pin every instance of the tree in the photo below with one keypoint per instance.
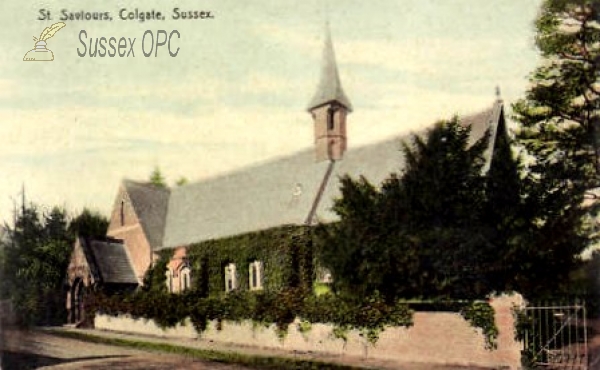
x,y
182,181
560,132
420,233
559,115
442,184
89,224
157,178
36,259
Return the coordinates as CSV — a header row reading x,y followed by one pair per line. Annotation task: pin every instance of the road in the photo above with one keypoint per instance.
x,y
22,350
34,350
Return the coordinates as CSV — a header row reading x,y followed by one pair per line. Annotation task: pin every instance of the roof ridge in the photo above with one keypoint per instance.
x,y
146,184
278,158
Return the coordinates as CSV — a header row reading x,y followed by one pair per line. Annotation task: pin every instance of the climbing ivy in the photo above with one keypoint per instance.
x,y
288,276
370,316
285,252
263,308
481,315
155,276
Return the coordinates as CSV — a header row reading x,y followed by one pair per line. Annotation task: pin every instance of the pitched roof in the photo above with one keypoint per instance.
x,y
282,191
480,124
330,87
150,203
109,259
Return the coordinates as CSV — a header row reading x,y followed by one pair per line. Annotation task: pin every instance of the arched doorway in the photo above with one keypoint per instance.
x,y
77,295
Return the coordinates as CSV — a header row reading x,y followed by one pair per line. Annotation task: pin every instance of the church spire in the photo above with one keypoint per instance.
x,y
329,88
329,108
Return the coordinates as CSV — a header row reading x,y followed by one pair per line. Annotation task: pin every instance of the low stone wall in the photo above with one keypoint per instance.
x,y
435,337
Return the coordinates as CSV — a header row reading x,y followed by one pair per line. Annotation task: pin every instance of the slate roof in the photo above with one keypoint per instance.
x,y
282,191
110,260
330,86
482,122
150,203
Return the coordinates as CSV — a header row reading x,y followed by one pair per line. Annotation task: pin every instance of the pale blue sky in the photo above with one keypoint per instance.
x,y
236,93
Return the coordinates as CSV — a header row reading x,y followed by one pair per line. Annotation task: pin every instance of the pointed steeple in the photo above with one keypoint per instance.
x,y
329,88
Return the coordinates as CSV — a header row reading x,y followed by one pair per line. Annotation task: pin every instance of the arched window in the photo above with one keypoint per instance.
x,y
230,277
169,280
185,278
255,275
331,118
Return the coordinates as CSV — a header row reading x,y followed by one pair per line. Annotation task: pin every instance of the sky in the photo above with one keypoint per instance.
x,y
237,91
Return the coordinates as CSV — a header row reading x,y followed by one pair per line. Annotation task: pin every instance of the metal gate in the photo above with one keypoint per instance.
x,y
555,337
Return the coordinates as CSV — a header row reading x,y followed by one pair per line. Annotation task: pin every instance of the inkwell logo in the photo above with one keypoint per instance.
x,y
40,52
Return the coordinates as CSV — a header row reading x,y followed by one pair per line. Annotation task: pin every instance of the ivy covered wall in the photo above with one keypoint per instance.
x,y
287,257
285,253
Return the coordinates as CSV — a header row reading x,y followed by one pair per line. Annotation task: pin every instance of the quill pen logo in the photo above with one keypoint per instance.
x,y
40,52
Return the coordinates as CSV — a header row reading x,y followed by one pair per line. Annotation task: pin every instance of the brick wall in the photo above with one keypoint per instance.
x,y
436,337
125,225
174,266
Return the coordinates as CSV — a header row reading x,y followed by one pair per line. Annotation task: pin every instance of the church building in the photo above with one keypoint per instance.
x,y
295,190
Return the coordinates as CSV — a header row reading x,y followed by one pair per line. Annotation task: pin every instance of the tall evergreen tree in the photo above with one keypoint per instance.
x,y
559,115
559,129
35,263
443,191
157,178
504,216
419,234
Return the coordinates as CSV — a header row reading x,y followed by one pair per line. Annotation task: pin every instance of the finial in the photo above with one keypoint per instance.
x,y
498,94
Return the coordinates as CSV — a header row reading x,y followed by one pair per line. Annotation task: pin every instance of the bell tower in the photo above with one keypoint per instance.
x,y
329,108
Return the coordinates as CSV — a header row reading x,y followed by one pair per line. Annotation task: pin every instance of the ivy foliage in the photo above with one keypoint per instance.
x,y
370,316
285,253
154,280
481,315
263,308
281,304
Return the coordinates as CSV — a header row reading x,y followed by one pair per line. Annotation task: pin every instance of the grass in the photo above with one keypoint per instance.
x,y
254,361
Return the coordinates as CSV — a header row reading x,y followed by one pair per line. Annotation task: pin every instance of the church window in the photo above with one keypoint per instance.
x,y
256,279
169,281
185,281
330,118
230,277
122,210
